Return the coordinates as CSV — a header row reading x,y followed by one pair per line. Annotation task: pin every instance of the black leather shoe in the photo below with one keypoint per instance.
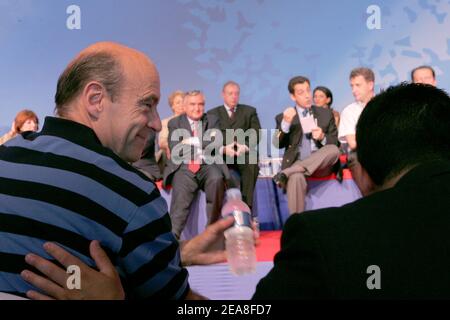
x,y
281,180
340,174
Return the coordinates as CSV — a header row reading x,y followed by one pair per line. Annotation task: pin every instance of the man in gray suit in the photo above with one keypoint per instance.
x,y
190,135
306,154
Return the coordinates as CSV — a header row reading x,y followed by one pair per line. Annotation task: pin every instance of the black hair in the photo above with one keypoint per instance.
x,y
404,126
296,80
327,93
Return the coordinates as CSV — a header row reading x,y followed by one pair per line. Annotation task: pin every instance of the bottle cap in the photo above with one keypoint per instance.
x,y
234,193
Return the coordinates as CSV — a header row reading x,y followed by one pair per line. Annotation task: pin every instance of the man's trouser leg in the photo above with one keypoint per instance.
x,y
184,189
212,182
296,192
249,175
318,164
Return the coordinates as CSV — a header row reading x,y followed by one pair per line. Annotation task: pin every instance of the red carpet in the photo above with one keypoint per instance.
x,y
269,245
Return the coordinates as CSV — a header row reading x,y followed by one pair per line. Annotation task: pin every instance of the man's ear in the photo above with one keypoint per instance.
x,y
372,85
94,98
362,179
292,97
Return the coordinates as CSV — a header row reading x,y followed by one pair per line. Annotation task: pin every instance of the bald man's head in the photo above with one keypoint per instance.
x,y
114,90
108,63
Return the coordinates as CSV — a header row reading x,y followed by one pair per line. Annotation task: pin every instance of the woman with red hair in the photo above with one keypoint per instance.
x,y
26,120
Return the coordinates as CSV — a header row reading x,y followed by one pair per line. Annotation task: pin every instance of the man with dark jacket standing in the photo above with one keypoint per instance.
x,y
242,121
311,153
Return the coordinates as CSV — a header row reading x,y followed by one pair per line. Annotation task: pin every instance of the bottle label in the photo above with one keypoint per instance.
x,y
241,218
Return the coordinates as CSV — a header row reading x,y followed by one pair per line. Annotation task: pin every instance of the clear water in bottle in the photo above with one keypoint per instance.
x,y
239,239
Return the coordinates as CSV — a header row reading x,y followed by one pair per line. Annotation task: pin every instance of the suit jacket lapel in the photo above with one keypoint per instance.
x,y
204,121
233,121
223,114
238,114
184,123
296,122
314,113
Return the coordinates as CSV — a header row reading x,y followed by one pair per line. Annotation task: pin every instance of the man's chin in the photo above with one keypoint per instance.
x,y
131,158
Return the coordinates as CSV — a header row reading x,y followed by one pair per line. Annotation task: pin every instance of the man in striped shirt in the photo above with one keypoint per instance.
x,y
72,182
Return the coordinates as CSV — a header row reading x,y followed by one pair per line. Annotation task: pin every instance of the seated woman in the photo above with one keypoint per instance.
x,y
324,98
176,104
26,120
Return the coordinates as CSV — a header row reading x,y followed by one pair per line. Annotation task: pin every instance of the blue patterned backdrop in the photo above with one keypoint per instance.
x,y
200,44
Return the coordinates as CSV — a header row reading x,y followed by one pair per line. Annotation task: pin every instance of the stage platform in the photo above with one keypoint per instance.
x,y
270,203
218,283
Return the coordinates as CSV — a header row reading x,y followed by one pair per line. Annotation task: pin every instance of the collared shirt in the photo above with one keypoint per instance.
x,y
229,109
194,125
62,185
195,140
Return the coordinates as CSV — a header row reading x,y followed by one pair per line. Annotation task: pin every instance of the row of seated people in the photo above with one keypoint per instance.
x,y
186,178
312,152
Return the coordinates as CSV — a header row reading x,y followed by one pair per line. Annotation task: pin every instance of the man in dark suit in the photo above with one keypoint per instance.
x,y
233,115
394,242
190,135
306,154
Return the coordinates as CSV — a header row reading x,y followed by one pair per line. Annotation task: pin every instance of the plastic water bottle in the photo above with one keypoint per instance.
x,y
239,239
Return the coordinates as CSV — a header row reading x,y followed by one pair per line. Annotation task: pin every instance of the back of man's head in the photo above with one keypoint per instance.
x,y
402,127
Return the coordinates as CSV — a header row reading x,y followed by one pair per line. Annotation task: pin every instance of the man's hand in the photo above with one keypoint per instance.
x,y
193,141
289,114
317,134
207,247
351,141
241,149
95,285
228,150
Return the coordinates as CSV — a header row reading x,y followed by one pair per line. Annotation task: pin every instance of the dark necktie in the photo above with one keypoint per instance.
x,y
232,113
